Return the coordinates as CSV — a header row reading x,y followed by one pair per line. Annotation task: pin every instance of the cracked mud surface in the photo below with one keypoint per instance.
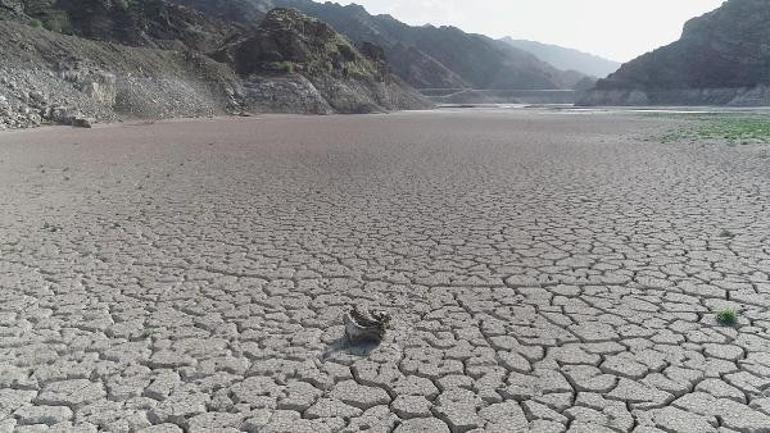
x,y
545,272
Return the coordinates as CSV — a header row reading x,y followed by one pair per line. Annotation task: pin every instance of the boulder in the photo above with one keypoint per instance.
x,y
82,122
362,326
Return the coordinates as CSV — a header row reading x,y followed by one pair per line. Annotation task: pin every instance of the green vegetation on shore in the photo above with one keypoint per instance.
x,y
727,317
732,129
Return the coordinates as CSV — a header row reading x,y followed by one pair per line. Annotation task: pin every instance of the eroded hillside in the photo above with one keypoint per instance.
x,y
151,59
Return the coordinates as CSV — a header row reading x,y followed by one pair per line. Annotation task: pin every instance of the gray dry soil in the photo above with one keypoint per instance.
x,y
546,272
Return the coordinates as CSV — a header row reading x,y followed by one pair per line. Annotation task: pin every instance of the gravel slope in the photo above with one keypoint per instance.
x,y
46,77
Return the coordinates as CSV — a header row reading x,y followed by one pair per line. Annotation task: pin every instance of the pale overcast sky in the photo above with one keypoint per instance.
x,y
616,29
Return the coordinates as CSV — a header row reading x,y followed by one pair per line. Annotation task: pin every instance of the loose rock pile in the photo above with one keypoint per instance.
x,y
70,96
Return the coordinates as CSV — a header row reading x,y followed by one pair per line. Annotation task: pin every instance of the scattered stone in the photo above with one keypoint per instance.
x,y
366,326
82,122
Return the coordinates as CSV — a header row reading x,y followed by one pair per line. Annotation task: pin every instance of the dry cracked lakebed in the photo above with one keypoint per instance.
x,y
545,271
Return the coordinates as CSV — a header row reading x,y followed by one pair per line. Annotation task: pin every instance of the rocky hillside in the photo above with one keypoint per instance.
x,y
326,71
722,58
144,23
248,13
566,59
47,77
107,60
478,61
425,56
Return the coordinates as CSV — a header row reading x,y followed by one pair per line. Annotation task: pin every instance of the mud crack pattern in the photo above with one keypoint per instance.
x,y
545,272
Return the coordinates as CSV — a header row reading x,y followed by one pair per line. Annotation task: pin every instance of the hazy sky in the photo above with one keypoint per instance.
x,y
616,29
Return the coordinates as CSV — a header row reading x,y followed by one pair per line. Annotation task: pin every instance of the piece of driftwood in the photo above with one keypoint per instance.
x,y
368,326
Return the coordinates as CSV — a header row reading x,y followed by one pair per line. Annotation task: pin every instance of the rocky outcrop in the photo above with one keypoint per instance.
x,y
248,13
439,56
292,51
423,56
722,58
11,8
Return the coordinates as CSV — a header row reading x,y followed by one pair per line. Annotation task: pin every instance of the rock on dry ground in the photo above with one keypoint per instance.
x,y
546,272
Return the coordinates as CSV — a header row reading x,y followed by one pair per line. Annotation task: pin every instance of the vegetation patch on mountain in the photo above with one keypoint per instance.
x,y
289,42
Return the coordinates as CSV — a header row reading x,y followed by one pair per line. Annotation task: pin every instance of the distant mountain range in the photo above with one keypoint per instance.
x,y
566,58
161,58
424,56
110,59
722,58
